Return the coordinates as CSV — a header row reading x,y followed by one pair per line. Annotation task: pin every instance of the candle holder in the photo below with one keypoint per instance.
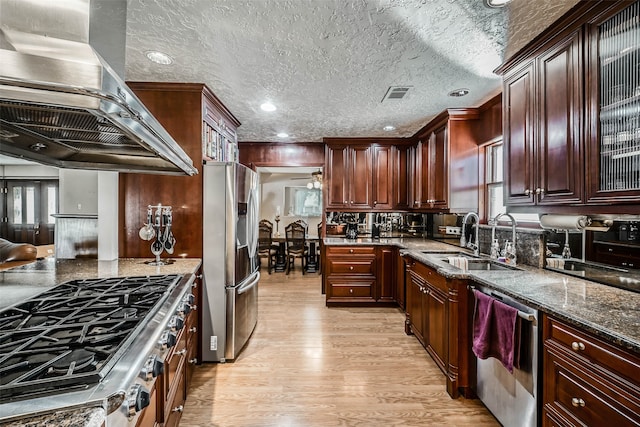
x,y
277,225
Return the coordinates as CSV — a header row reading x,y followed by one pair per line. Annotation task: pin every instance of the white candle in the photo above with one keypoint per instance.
x,y
278,210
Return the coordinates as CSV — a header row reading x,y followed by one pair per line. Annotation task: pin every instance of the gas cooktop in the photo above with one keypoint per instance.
x,y
70,336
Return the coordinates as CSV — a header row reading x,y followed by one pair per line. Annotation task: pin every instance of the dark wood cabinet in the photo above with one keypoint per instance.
x,y
570,114
544,159
586,381
438,313
446,164
403,173
620,254
358,275
382,173
349,174
183,109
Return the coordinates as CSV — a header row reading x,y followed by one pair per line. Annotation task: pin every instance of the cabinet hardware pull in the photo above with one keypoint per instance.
x,y
193,329
199,276
350,251
375,202
577,402
346,202
178,409
577,346
193,361
527,192
181,352
350,290
351,267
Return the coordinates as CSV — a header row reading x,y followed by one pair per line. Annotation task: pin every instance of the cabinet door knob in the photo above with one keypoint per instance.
x,y
577,346
193,361
539,190
375,202
346,202
527,192
350,290
350,251
577,402
351,267
178,409
193,329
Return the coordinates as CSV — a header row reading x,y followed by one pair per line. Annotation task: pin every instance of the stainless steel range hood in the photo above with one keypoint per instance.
x,y
62,105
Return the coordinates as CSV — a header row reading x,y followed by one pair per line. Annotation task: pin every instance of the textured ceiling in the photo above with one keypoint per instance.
x,y
325,64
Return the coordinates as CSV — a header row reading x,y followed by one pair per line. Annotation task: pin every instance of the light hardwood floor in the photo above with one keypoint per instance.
x,y
309,365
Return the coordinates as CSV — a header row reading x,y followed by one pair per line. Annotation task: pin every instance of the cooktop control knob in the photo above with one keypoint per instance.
x,y
184,309
167,340
189,299
138,398
152,368
176,323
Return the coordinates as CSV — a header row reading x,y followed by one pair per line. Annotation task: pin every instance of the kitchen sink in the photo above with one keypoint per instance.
x,y
474,264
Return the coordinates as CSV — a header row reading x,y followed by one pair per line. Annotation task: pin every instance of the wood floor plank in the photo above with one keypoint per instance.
x,y
307,365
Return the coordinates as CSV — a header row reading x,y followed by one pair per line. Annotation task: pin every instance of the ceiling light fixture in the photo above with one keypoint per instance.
x,y
283,135
496,3
267,106
159,57
316,180
459,92
389,128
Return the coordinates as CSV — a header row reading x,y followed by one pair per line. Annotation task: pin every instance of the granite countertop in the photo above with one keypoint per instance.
x,y
79,417
606,311
25,281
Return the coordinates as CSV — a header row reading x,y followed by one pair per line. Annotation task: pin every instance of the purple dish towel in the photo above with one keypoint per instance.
x,y
494,331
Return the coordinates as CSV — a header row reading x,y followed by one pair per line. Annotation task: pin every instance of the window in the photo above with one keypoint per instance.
x,y
301,201
495,185
494,177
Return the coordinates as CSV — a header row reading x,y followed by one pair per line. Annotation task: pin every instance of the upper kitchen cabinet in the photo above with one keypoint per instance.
x,y
446,163
191,113
614,107
571,103
365,174
348,172
542,130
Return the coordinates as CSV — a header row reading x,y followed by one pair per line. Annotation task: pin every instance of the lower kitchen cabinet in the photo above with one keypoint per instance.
x,y
437,313
358,275
170,388
586,381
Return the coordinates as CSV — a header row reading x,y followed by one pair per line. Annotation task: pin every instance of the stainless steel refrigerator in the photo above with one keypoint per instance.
x,y
230,259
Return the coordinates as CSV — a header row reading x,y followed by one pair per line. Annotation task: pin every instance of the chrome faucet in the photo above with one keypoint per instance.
x,y
510,250
463,239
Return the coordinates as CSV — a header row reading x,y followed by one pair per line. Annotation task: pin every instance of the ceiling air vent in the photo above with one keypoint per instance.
x,y
396,92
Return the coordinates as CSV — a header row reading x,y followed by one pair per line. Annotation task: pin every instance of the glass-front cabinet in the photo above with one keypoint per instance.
x,y
613,173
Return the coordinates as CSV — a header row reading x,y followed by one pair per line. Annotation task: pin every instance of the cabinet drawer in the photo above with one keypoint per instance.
x,y
594,350
351,291
351,266
584,398
430,275
350,250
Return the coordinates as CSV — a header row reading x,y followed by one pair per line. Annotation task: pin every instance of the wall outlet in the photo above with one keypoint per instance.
x,y
213,344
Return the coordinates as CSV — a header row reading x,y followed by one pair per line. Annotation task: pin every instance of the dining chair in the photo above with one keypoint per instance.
x,y
265,245
295,236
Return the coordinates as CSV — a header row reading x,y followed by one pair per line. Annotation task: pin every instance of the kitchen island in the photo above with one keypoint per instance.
x,y
27,281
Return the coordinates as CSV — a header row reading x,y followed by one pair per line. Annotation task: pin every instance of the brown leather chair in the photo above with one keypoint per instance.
x,y
265,245
295,235
10,251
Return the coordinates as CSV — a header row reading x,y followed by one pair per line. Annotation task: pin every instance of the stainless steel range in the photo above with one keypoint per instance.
x,y
98,342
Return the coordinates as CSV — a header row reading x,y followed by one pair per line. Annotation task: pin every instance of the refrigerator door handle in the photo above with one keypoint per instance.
x,y
249,284
252,223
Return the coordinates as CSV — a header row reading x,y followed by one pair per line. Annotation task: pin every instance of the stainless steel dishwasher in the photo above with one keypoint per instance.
x,y
512,397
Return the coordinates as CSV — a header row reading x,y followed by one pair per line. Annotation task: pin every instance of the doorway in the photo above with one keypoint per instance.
x,y
27,207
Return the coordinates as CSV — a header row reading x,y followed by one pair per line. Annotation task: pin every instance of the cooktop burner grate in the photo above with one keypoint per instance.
x,y
73,334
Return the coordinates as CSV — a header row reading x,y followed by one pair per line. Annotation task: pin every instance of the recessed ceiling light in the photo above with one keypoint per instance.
x,y
459,92
389,128
267,106
159,57
283,135
496,3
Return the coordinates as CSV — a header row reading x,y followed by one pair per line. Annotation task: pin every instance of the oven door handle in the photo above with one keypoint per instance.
x,y
250,283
